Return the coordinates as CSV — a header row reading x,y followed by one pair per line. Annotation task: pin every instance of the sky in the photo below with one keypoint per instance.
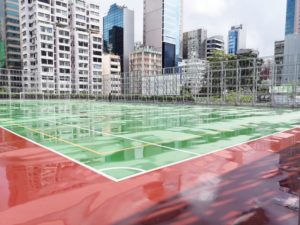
x,y
264,20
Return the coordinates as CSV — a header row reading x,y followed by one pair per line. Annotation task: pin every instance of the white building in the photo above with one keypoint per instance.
x,y
193,74
86,47
37,41
61,46
215,43
111,74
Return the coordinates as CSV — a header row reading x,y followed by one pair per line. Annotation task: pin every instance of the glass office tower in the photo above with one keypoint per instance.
x,y
292,24
118,33
236,39
163,29
10,52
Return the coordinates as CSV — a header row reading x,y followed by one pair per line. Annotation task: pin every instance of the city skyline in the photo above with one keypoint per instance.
x,y
217,16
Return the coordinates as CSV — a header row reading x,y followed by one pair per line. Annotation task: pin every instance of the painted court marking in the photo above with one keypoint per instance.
x,y
122,168
62,155
94,151
142,172
131,139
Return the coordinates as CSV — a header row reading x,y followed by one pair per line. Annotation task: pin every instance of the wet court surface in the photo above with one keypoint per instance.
x,y
121,141
250,181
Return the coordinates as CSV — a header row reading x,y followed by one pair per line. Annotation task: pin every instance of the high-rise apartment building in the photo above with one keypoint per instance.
x,y
292,24
10,52
214,43
194,44
279,52
236,39
86,47
61,46
163,29
278,59
111,74
118,33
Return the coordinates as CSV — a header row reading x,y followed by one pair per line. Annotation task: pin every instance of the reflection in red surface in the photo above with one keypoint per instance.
x,y
239,185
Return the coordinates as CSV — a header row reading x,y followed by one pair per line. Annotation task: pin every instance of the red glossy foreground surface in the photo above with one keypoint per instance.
x,y
246,182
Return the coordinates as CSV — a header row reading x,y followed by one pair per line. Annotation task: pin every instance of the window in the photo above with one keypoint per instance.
x,y
80,17
12,6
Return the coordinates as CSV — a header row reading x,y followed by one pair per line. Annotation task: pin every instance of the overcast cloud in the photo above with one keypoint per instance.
x,y
263,19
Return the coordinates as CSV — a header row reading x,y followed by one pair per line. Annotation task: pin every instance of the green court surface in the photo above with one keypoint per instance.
x,y
124,140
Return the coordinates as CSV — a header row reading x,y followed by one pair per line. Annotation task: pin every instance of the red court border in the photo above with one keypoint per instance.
x,y
43,188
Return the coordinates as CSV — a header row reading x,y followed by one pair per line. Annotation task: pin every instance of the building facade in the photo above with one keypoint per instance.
x,y
61,46
291,59
111,74
236,39
215,43
146,60
194,44
193,75
118,33
163,29
10,50
292,24
86,47
278,60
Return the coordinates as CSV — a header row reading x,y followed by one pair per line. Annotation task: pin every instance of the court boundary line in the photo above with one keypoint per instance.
x,y
123,167
206,154
293,127
62,155
182,161
148,171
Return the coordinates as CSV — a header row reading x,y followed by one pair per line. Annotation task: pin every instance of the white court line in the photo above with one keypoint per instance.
x,y
191,158
131,139
206,154
122,168
155,169
64,156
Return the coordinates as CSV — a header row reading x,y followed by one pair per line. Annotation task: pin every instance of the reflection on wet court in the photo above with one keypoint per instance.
x,y
124,140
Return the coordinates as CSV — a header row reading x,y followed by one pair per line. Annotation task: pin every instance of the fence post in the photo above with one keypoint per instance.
x,y
9,84
237,83
254,82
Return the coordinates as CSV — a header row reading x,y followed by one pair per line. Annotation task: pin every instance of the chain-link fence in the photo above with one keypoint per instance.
x,y
249,82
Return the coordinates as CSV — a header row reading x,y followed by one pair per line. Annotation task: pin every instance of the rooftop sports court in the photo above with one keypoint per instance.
x,y
89,162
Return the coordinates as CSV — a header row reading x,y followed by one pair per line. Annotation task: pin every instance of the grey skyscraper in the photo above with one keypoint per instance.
x,y
194,44
278,58
118,33
10,52
163,29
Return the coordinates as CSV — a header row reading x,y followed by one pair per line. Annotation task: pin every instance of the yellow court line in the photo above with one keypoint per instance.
x,y
73,144
130,148
58,139
92,150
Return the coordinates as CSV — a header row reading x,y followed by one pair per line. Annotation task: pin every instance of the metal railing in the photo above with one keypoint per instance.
x,y
244,82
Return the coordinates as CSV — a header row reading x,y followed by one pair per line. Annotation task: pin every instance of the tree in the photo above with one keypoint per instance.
x,y
225,70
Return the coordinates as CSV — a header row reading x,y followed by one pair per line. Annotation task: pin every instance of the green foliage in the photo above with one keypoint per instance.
x,y
220,56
